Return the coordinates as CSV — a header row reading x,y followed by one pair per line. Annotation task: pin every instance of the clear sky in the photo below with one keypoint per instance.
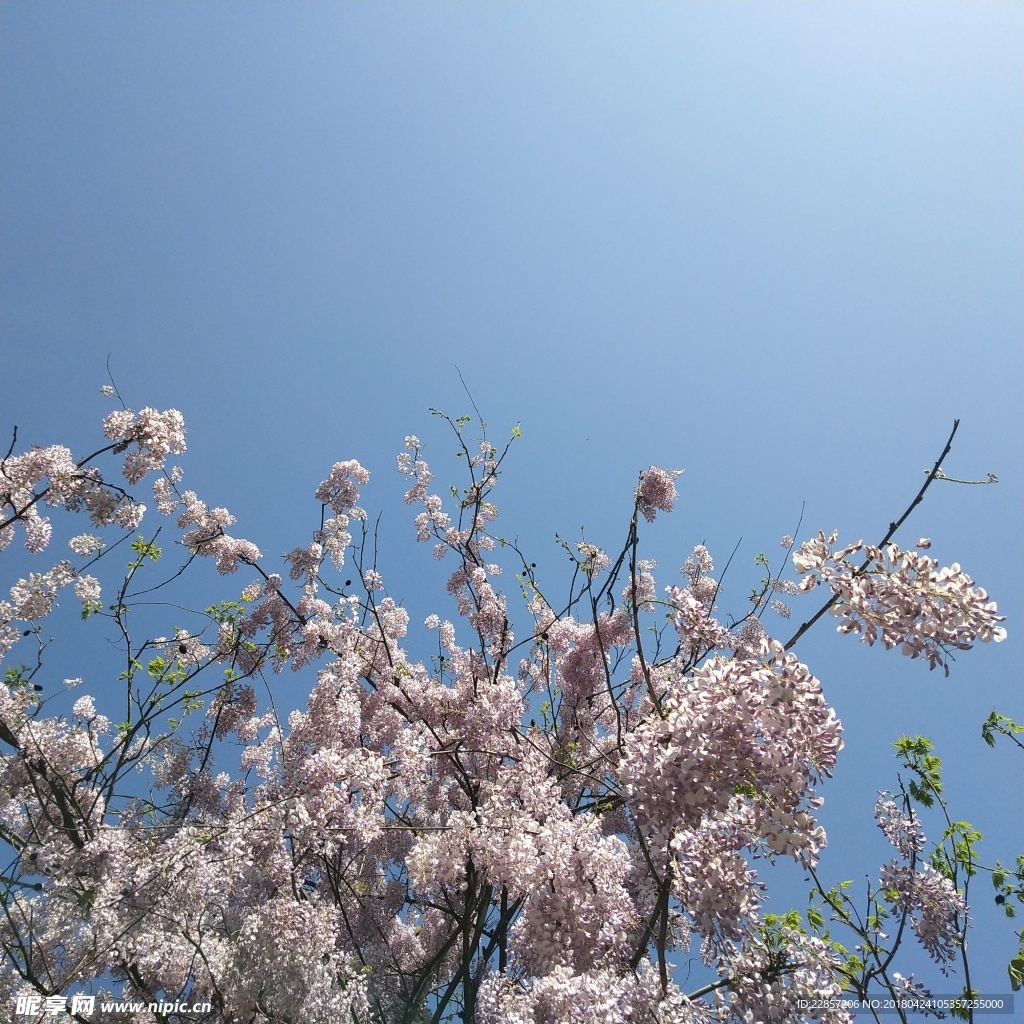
x,y
777,245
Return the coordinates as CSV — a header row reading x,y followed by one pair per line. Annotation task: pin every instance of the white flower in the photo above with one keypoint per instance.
x,y
85,544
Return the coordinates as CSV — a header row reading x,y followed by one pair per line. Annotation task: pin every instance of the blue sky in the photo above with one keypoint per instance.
x,y
777,245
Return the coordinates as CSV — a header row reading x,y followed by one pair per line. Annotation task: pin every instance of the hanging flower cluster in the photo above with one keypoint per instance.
x,y
902,598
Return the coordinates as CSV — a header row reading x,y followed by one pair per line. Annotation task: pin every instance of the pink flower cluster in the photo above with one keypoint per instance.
x,y
737,730
51,477
937,911
340,490
801,985
699,632
206,534
657,491
902,598
154,435
901,827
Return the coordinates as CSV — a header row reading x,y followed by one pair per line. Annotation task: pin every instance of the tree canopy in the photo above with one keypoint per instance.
x,y
527,812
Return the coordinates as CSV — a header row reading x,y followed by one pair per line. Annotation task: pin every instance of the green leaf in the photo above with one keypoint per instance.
x,y
1016,972
16,675
146,549
854,965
